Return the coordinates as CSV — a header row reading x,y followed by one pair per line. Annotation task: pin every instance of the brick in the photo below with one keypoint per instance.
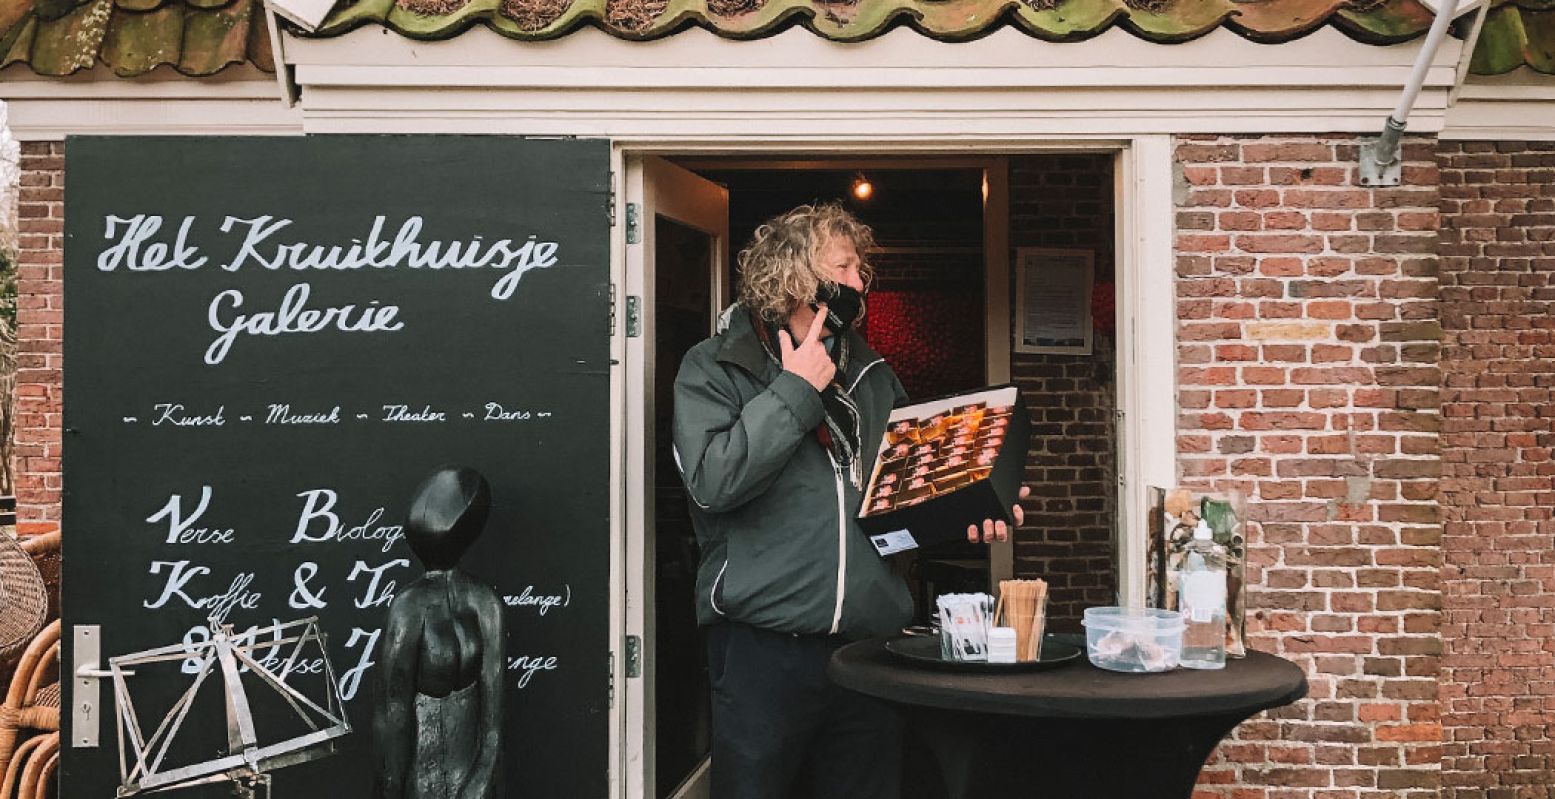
x,y
1287,151
1428,330
1191,153
1288,331
1407,469
1331,427
1327,198
1278,243
1330,309
1491,634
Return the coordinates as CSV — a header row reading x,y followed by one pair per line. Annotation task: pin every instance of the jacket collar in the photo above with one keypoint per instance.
x,y
741,347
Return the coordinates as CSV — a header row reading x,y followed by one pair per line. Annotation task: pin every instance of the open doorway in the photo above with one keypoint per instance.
x,y
925,310
940,311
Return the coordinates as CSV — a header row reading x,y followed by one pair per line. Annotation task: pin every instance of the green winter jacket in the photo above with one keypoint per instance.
x,y
775,517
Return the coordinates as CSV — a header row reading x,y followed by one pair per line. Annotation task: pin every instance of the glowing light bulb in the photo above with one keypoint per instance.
x,y
862,188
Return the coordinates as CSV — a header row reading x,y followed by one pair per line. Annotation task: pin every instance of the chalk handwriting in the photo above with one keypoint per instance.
x,y
281,413
274,658
303,596
134,253
540,602
529,665
407,249
173,413
181,530
218,605
403,413
318,505
134,246
293,316
351,680
496,413
380,592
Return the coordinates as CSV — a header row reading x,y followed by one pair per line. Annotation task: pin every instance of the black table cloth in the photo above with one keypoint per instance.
x,y
1076,731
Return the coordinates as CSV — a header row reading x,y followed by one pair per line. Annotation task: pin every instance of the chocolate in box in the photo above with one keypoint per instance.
x,y
945,464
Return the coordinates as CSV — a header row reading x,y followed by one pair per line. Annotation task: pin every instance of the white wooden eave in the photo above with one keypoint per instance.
x,y
899,86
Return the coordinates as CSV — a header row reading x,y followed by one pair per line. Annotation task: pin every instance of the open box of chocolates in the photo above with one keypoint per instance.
x,y
945,464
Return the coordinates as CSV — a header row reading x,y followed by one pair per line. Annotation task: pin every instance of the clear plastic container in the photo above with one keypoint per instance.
x,y
1136,640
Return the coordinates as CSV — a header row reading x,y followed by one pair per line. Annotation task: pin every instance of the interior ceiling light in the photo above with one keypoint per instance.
x,y
862,188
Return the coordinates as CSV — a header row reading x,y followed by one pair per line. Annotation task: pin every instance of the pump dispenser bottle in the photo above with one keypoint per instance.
x,y
1202,600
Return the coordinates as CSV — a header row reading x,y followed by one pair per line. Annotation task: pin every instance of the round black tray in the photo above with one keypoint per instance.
x,y
922,650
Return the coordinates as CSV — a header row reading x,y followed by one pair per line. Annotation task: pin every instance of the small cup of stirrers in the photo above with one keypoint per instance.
x,y
1023,605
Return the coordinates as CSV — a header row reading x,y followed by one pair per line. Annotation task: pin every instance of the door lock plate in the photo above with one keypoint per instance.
x,y
86,698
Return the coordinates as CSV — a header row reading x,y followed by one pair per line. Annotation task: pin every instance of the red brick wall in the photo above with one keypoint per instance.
x,y
39,317
1066,201
1498,429
1308,352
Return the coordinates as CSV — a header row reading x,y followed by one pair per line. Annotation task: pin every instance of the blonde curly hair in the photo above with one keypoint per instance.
x,y
781,269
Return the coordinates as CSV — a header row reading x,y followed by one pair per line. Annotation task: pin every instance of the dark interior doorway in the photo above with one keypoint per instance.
x,y
927,315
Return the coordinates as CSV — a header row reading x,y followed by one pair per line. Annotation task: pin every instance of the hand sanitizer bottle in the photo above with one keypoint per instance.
x,y
1202,600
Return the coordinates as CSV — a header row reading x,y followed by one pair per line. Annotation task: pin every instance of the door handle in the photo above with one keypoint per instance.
x,y
86,700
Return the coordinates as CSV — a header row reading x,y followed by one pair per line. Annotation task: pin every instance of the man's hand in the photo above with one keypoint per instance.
x,y
810,360
997,530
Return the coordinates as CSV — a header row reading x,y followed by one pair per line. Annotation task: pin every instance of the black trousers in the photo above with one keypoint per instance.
x,y
782,730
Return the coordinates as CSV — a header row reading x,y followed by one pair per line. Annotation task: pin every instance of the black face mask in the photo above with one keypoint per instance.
x,y
844,305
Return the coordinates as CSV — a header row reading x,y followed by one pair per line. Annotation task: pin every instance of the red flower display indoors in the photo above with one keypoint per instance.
x,y
932,338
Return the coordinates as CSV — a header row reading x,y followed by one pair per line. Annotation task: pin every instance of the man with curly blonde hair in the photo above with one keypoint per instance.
x,y
776,420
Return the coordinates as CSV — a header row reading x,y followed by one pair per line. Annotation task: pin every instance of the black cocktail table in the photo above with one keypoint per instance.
x,y
1077,731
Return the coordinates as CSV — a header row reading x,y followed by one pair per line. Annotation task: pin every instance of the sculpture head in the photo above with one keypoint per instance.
x,y
446,515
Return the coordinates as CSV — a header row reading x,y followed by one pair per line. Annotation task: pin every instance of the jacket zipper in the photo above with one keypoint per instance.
x,y
860,376
712,595
842,547
842,520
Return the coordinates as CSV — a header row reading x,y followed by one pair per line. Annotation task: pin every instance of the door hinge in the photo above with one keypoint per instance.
x,y
1119,417
612,310
634,656
634,232
610,199
634,327
610,691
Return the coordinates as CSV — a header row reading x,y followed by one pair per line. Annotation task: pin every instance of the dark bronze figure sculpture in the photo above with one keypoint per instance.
x,y
438,721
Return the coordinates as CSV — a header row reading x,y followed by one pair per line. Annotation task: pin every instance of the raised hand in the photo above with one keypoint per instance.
x,y
809,360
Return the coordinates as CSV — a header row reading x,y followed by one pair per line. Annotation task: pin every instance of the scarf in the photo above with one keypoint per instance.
x,y
841,432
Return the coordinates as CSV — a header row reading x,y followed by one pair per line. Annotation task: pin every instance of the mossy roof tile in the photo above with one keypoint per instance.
x,y
133,37
203,37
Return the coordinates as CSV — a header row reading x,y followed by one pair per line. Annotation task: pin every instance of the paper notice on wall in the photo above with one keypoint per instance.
x,y
1055,300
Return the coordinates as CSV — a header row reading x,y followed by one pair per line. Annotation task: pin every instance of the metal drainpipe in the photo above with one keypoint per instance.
x,y
1380,163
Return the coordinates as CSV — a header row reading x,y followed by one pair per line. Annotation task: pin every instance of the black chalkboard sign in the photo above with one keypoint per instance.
x,y
269,342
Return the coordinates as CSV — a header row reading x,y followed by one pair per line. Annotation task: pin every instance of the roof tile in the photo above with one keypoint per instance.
x,y
218,37
133,37
202,37
62,46
140,41
1515,36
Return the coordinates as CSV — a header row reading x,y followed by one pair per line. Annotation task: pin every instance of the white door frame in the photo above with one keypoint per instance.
x,y
1146,363
685,201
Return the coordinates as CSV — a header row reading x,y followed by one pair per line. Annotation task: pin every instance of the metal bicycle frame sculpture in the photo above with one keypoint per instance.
x,y
140,757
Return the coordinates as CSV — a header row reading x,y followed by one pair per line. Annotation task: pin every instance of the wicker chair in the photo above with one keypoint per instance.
x,y
30,773
23,594
46,787
44,550
31,705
